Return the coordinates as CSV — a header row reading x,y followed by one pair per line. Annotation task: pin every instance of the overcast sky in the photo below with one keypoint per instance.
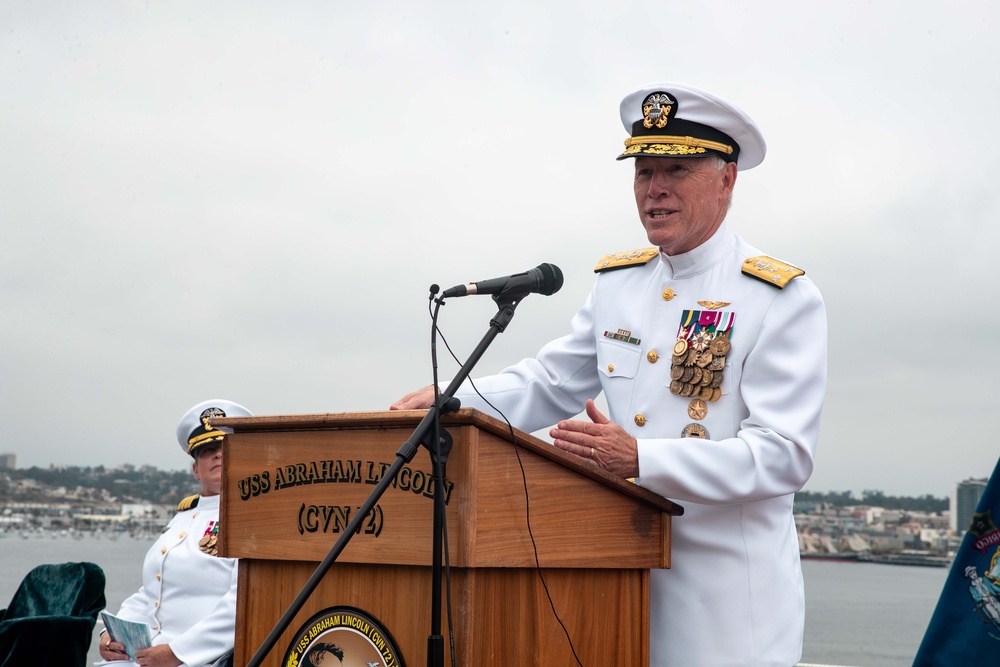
x,y
250,200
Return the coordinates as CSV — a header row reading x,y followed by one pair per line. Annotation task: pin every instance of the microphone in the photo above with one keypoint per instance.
x,y
544,279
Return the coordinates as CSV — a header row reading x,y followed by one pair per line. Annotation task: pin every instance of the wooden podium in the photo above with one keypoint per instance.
x,y
291,484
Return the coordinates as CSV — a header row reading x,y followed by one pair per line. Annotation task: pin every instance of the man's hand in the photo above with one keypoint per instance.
x,y
603,442
111,650
157,656
417,400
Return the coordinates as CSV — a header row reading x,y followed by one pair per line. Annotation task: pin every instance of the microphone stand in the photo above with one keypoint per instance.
x,y
422,434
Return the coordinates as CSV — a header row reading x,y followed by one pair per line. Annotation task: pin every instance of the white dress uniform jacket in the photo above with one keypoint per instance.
x,y
188,597
734,593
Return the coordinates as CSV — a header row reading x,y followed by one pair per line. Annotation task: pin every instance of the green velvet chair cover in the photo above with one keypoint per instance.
x,y
51,618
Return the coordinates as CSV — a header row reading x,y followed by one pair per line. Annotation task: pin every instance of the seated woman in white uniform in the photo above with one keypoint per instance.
x,y
188,593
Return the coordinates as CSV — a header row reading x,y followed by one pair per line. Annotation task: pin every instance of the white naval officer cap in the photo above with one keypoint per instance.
x,y
195,428
668,119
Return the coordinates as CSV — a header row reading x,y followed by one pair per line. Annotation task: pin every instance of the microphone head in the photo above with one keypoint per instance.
x,y
550,279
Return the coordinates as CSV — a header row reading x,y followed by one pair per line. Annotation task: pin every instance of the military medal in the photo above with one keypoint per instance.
x,y
209,542
697,409
720,346
699,359
701,340
695,431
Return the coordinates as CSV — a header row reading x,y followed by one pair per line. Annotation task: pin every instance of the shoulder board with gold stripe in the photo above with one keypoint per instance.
x,y
625,260
188,503
771,271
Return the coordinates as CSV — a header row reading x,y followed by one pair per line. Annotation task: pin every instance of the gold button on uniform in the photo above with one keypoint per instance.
x,y
640,419
156,603
181,536
611,368
163,550
652,356
668,294
157,576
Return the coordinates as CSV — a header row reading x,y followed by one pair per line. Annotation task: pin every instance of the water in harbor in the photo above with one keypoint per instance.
x,y
859,614
868,614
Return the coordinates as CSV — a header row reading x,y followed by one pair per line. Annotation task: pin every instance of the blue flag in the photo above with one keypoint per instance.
x,y
965,627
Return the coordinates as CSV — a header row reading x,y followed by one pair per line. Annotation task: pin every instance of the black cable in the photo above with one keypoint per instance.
x,y
527,501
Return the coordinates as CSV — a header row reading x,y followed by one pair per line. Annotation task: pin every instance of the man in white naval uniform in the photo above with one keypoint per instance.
x,y
712,358
188,593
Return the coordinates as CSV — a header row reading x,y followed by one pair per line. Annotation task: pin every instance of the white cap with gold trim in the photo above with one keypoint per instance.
x,y
195,428
668,119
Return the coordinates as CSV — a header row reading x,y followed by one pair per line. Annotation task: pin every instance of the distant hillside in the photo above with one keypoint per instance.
x,y
147,484
70,484
925,503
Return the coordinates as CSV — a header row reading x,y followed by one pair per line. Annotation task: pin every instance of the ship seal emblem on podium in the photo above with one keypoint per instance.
x,y
345,633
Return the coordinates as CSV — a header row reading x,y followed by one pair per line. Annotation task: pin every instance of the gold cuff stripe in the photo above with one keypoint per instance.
x,y
680,141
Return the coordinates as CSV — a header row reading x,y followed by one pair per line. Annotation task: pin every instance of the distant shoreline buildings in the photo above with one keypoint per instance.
x,y
139,501
875,534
